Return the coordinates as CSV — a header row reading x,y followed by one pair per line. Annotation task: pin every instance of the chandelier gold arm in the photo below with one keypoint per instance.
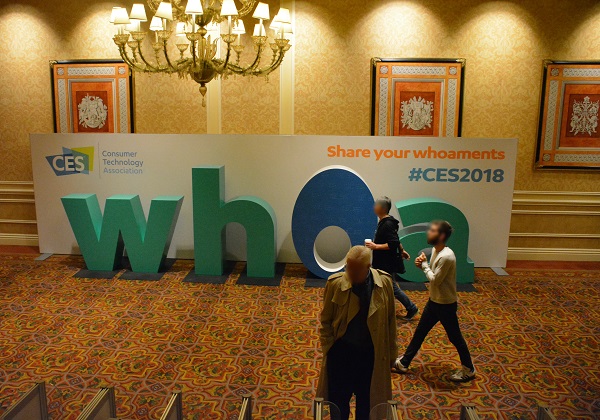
x,y
247,7
203,31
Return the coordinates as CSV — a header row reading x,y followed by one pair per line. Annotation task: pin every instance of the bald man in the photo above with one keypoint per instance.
x,y
358,336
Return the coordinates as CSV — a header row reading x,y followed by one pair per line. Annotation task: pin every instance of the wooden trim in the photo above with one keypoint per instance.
x,y
556,198
24,239
557,212
8,191
30,183
553,254
17,222
17,200
565,193
555,235
19,188
542,202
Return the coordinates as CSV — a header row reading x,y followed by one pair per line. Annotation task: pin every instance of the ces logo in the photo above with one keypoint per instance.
x,y
78,160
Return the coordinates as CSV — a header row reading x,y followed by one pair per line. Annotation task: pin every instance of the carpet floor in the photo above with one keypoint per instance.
x,y
534,336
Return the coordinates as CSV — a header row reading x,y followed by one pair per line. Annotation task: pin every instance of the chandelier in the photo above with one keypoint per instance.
x,y
198,28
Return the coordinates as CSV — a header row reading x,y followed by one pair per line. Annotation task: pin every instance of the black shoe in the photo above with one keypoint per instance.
x,y
411,314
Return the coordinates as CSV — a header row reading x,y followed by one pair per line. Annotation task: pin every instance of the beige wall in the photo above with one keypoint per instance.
x,y
503,42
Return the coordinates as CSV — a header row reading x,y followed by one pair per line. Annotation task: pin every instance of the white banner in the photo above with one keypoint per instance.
x,y
475,175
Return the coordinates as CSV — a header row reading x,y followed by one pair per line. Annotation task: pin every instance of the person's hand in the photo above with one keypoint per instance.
x,y
405,255
371,245
420,259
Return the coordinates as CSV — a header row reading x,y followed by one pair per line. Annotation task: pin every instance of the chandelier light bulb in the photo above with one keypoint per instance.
x,y
113,13
180,30
259,30
213,30
228,8
283,16
165,11
238,28
194,7
138,12
121,17
156,24
134,26
262,11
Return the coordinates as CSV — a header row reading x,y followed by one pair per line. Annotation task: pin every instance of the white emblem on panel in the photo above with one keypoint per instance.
x,y
92,112
585,116
417,114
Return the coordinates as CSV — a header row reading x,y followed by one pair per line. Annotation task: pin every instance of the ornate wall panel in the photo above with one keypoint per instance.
x,y
416,97
568,134
92,96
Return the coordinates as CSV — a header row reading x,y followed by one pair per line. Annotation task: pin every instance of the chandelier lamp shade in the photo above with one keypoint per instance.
x,y
199,26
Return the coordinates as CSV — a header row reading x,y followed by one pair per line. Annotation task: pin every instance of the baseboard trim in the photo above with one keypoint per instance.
x,y
553,254
555,235
19,239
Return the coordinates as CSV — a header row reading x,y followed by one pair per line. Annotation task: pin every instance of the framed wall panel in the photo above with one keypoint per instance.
x,y
92,96
568,131
416,97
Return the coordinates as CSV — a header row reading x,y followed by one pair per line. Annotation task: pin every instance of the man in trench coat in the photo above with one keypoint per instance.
x,y
358,336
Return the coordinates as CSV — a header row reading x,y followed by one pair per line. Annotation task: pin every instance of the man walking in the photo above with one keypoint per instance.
x,y
442,304
388,254
358,336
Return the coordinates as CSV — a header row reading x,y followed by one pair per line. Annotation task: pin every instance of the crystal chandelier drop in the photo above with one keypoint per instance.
x,y
198,27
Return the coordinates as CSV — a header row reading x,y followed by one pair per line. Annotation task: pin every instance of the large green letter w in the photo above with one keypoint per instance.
x,y
102,239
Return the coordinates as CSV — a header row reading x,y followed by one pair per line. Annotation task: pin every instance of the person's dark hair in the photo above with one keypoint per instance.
x,y
385,202
444,227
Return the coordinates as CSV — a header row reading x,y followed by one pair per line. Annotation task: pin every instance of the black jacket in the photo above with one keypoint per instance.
x,y
387,233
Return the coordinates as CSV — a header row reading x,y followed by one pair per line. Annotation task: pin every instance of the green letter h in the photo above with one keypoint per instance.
x,y
212,214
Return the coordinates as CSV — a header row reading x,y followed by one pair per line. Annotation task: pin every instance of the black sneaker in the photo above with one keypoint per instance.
x,y
411,314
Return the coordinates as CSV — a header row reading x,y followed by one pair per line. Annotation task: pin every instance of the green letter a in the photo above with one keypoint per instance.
x,y
102,239
211,215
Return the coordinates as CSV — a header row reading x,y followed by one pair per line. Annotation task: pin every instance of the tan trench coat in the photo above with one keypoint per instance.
x,y
340,305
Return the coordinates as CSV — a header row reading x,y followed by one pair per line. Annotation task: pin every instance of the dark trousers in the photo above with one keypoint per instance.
x,y
349,371
401,296
432,314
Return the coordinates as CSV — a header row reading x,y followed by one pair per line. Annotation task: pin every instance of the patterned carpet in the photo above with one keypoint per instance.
x,y
534,336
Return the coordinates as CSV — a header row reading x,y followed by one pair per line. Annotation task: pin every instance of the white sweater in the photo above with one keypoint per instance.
x,y
441,273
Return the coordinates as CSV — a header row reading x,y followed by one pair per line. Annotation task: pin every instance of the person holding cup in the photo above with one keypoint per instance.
x,y
388,254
